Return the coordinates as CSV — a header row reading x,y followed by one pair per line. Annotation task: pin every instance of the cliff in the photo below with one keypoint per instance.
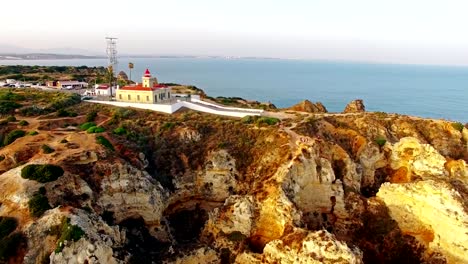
x,y
193,188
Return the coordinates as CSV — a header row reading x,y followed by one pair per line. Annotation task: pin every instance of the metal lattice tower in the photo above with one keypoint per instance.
x,y
112,52
112,55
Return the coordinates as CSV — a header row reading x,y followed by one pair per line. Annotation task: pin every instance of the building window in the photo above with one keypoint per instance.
x,y
129,97
138,97
155,98
147,98
120,96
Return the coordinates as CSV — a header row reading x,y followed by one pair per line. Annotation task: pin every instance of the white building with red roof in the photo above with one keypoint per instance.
x,y
104,90
147,92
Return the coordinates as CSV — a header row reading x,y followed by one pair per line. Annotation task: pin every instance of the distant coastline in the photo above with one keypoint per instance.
x,y
54,56
45,56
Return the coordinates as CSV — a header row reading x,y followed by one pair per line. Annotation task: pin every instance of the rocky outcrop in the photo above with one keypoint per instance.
x,y
305,247
409,158
308,106
433,212
356,106
96,246
128,192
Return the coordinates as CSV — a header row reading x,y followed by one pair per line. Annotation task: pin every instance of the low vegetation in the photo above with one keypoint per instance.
x,y
87,125
65,113
95,129
44,73
23,123
11,119
12,136
380,141
33,133
91,116
260,120
120,131
105,142
8,107
458,126
38,204
42,172
68,232
46,149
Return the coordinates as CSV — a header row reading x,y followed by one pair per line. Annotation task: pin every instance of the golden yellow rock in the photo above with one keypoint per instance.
x,y
432,211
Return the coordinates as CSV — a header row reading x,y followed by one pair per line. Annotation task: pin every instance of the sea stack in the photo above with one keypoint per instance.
x,y
355,106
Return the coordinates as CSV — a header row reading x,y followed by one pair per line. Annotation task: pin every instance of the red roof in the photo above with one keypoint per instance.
x,y
103,87
147,73
140,87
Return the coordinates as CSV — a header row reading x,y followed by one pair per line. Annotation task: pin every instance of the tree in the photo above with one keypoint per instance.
x,y
130,67
111,77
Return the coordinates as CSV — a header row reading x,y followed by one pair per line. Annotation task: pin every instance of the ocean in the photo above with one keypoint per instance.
x,y
426,91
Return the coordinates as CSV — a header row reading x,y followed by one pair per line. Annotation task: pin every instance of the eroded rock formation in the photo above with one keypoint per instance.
x,y
192,188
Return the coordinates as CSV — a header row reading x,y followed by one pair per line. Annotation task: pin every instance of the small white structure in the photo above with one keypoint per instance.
x,y
104,90
10,81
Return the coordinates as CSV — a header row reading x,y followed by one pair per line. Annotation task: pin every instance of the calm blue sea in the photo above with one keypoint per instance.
x,y
428,91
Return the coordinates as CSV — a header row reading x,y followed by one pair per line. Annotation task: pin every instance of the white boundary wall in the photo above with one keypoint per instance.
x,y
197,99
171,108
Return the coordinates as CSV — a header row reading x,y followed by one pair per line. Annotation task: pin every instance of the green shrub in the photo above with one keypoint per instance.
x,y
105,142
168,126
7,107
32,133
33,111
11,119
38,204
42,172
64,113
7,225
9,96
458,126
120,131
91,116
95,129
267,120
380,141
23,123
46,149
68,232
12,136
248,119
87,125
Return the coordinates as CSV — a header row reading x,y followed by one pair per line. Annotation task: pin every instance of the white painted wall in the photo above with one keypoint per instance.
x,y
195,99
169,109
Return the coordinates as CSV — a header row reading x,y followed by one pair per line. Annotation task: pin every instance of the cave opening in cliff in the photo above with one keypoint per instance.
x,y
380,176
338,167
186,225
144,248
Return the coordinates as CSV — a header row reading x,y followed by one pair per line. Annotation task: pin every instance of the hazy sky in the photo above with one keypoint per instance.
x,y
405,31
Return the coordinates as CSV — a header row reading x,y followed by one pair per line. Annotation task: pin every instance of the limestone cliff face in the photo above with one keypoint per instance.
x,y
96,246
306,247
129,192
433,212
